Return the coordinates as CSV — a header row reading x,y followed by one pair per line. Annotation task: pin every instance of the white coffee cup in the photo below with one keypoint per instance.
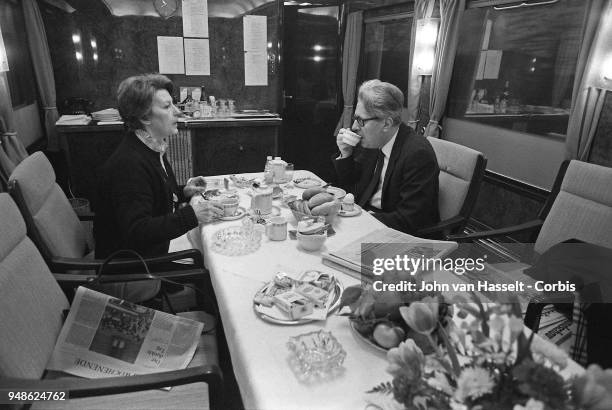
x,y
350,138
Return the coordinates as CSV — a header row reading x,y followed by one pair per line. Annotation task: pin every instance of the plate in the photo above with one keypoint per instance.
x,y
240,212
258,308
356,211
365,340
307,182
338,193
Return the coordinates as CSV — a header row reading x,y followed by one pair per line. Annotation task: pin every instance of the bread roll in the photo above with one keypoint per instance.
x,y
323,209
310,192
319,199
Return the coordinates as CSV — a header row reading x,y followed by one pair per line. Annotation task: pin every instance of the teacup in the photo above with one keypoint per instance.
x,y
350,138
229,205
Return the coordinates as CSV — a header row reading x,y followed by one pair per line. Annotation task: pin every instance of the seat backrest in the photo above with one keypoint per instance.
x,y
13,147
31,301
7,166
461,171
581,210
51,221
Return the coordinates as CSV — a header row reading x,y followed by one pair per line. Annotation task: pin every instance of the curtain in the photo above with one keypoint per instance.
x,y
450,18
422,9
350,62
7,122
564,66
587,101
43,69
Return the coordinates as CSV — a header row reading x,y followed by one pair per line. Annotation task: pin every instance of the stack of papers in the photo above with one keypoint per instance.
x,y
384,243
81,119
108,115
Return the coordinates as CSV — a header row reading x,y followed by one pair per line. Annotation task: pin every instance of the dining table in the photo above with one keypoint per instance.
x,y
260,356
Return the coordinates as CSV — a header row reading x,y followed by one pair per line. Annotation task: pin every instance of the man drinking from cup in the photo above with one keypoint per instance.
x,y
392,171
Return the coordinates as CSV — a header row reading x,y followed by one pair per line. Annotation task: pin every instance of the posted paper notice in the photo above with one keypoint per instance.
x,y
197,56
170,55
195,18
255,68
255,33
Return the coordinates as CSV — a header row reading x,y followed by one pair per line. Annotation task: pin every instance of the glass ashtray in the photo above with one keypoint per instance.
x,y
236,241
316,355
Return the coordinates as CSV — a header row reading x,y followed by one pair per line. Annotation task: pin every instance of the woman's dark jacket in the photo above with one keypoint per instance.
x,y
135,206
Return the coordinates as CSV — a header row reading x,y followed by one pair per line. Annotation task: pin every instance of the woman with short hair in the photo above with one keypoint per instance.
x,y
138,199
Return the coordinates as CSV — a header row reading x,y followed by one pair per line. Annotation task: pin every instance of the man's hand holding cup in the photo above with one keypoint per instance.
x,y
346,141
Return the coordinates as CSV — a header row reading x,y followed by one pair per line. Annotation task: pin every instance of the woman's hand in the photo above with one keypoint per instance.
x,y
207,211
194,186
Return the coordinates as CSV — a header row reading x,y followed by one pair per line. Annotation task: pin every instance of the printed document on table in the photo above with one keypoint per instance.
x,y
104,336
195,18
197,56
170,55
383,243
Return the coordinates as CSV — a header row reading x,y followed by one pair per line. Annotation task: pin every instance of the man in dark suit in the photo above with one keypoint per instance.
x,y
394,172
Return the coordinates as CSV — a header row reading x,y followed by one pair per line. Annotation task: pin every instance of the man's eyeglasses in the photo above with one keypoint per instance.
x,y
362,121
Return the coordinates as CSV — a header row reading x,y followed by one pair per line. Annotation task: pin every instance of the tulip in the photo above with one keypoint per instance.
x,y
422,317
406,360
593,390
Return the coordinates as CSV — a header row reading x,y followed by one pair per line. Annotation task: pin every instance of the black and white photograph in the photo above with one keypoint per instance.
x,y
306,204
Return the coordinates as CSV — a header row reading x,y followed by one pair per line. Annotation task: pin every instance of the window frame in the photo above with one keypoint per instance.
x,y
20,76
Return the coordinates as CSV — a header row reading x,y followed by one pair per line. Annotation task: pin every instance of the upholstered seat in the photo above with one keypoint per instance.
x,y
579,208
57,231
461,172
31,317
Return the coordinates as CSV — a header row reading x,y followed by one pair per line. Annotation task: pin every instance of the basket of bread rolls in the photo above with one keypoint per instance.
x,y
315,202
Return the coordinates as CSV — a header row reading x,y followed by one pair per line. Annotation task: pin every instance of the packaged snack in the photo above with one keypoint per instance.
x,y
323,280
293,304
317,295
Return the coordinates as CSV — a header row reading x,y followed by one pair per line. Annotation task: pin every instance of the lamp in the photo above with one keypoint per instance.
x,y
425,45
606,69
3,57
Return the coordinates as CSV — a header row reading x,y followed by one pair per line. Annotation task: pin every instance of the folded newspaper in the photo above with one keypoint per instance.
x,y
104,337
355,258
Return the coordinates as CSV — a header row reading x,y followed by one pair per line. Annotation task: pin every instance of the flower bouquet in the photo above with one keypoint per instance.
x,y
484,360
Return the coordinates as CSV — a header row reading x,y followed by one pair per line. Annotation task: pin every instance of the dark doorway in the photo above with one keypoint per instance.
x,y
311,67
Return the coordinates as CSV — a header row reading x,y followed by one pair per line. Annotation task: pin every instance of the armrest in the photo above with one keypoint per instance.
x,y
78,387
534,225
83,279
86,216
61,264
442,226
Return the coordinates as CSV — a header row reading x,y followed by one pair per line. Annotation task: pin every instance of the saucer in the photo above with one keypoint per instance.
x,y
338,193
240,212
307,182
356,211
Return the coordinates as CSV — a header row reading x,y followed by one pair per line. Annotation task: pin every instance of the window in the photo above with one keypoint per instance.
x,y
515,66
20,76
387,49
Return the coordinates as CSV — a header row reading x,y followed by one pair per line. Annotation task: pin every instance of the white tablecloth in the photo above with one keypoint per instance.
x,y
258,348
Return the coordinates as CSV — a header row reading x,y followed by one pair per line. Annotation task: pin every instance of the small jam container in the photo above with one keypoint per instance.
x,y
276,229
294,304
